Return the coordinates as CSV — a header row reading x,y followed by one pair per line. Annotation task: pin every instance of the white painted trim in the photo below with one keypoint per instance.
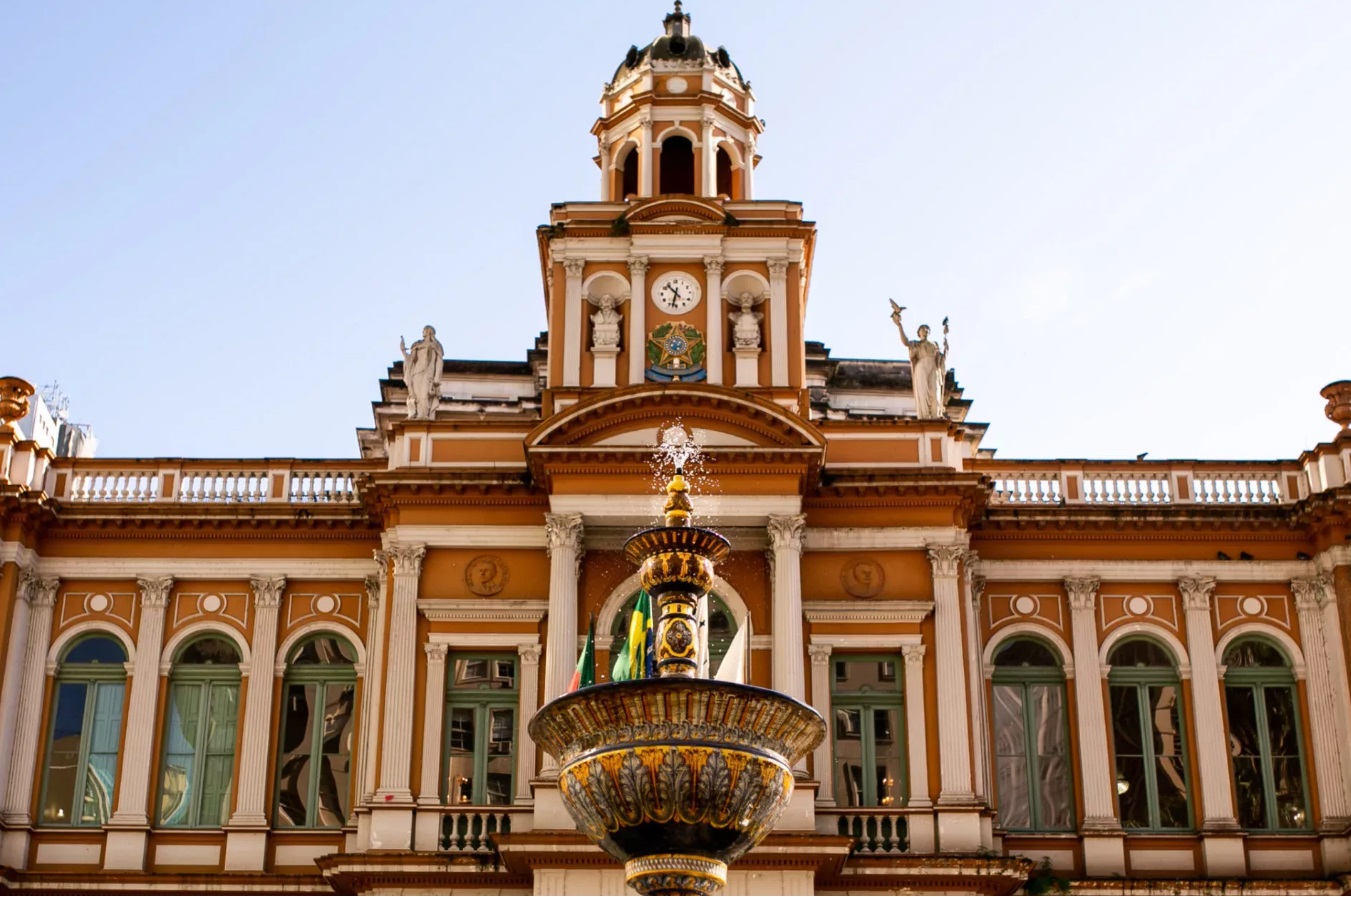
x,y
74,632
727,510
1293,655
744,272
1144,571
484,639
15,553
192,630
866,611
1023,629
676,129
434,536
482,610
591,278
1150,630
1336,556
609,609
879,641
283,652
884,537
206,568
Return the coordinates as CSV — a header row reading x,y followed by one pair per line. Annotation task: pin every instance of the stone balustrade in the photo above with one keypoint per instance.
x,y
468,830
877,831
316,482
1141,484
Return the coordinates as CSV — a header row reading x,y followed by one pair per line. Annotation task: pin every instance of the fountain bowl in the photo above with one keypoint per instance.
x,y
676,777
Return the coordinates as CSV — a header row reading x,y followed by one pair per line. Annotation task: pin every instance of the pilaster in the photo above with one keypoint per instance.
x,y
12,690
429,782
637,318
716,312
778,321
573,336
1328,747
526,751
953,708
822,766
975,680
564,534
27,723
646,153
130,824
710,166
391,814
376,589
917,746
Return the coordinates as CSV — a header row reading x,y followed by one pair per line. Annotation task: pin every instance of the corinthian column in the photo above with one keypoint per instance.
x,y
397,733
1328,747
778,321
126,848
717,315
246,840
637,318
1217,796
1094,759
785,540
12,691
953,699
564,534
40,596
376,588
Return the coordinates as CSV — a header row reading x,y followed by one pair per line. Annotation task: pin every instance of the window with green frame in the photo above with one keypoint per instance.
x,y
722,626
314,763
480,737
1031,735
1265,743
1152,785
86,728
869,731
201,719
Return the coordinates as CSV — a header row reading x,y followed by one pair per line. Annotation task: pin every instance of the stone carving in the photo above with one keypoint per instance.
x,y
486,575
605,324
155,591
1196,592
746,322
928,367
1082,591
422,367
267,592
785,531
863,578
14,395
945,558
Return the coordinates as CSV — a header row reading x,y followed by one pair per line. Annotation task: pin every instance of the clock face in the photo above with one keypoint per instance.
x,y
676,292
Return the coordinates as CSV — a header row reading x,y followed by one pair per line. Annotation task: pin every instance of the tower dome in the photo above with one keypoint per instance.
x,y
677,118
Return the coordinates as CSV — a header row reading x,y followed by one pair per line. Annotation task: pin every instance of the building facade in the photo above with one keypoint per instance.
x,y
263,675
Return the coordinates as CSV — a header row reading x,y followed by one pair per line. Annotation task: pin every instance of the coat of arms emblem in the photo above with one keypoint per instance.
x,y
676,351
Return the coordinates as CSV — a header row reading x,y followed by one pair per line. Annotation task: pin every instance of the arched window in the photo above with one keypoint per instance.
x,y
1153,791
677,165
722,628
724,170
199,739
318,715
85,731
1031,732
1264,737
628,170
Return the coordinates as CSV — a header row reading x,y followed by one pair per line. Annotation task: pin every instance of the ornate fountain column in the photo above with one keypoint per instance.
x,y
41,598
392,815
129,826
246,838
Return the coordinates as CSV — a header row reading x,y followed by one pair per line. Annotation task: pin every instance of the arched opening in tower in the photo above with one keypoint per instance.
x,y
677,165
725,174
628,174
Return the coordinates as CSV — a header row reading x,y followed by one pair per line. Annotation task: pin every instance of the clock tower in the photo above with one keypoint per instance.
x,y
678,273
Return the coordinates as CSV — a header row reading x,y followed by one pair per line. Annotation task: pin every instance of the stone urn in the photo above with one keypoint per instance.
x,y
14,395
1338,408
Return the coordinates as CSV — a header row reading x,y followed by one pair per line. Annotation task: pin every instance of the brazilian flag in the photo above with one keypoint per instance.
x,y
585,674
637,659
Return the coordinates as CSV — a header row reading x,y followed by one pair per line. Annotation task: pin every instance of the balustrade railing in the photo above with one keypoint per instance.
x,y
468,830
876,831
1144,484
323,483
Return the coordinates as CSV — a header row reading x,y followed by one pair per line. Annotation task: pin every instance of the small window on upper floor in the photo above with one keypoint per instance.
x,y
677,165
725,174
628,174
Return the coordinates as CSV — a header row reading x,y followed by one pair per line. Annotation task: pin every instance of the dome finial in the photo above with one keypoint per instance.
x,y
677,22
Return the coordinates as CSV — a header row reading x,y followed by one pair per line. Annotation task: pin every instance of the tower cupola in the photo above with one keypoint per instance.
x,y
677,119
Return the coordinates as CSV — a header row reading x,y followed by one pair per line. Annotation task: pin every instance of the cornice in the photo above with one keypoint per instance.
x,y
1142,571
481,610
866,611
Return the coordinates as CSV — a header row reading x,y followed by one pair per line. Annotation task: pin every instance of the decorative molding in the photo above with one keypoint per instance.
x,y
1152,630
778,269
204,568
866,611
1144,571
485,639
407,558
914,656
638,263
41,591
267,591
529,654
463,610
1196,592
879,641
469,536
375,587
1026,629
785,531
880,537
714,264
436,652
1271,633
574,267
819,654
563,531
945,559
1312,592
1082,592
155,591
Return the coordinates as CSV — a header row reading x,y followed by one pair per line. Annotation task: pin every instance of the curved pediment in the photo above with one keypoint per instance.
x,y
719,418
684,208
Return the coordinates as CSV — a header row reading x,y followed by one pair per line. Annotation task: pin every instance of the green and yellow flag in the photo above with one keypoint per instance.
x,y
635,661
585,674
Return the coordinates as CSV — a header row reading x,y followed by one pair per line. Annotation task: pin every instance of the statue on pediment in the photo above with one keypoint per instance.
x,y
928,367
422,369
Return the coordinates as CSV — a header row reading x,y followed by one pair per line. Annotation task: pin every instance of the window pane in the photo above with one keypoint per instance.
x,y
1245,751
1052,756
1010,737
1139,653
210,651
483,675
1282,728
1286,765
180,753
63,762
101,772
1254,653
865,676
1126,720
460,764
1131,794
849,789
501,756
297,739
218,769
336,754
1289,793
97,649
324,650
1252,802
1170,773
887,750
1025,652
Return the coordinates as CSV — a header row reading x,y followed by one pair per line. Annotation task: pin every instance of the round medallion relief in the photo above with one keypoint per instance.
x,y
486,575
97,604
863,578
677,85
1139,606
1025,605
1252,606
212,604
325,604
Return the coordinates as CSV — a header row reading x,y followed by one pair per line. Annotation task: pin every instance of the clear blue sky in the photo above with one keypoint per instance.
x,y
216,219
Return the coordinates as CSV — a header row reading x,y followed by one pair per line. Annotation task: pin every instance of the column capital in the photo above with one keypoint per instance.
x,y
709,121
1082,591
785,531
407,558
563,531
977,588
1312,592
914,655
778,269
529,654
819,654
436,652
637,264
37,591
155,591
713,264
1196,591
945,558
375,585
381,564
267,592
574,267
646,123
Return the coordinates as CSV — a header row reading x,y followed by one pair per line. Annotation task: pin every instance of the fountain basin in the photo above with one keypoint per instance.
x,y
676,777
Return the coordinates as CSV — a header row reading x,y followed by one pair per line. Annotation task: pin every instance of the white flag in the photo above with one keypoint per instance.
x,y
701,621
737,661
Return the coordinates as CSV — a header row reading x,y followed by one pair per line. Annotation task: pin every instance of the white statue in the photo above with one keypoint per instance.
x,y
745,323
928,368
605,324
422,374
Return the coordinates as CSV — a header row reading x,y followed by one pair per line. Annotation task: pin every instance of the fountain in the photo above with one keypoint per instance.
x,y
676,776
